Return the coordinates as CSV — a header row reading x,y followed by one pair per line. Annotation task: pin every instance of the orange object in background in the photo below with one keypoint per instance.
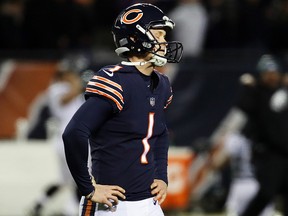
x,y
179,189
26,80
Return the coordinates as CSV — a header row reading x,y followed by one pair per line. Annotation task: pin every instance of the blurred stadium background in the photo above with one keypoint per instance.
x,y
37,36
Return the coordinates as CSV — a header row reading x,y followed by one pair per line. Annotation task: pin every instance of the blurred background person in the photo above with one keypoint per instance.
x,y
264,123
191,19
64,98
267,115
237,154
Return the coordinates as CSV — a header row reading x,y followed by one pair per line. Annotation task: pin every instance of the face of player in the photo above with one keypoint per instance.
x,y
159,49
160,35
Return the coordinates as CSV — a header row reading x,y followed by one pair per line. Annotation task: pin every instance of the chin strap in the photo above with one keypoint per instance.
x,y
134,63
158,60
155,60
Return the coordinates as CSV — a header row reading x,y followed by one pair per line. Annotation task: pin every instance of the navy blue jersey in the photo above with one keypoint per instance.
x,y
123,118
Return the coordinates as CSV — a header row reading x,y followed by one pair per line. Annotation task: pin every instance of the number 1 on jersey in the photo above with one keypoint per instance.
x,y
145,140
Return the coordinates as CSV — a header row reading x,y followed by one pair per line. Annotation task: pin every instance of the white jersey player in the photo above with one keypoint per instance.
x,y
62,111
243,185
64,97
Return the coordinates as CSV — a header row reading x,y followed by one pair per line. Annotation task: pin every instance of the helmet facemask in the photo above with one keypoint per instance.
x,y
149,44
172,53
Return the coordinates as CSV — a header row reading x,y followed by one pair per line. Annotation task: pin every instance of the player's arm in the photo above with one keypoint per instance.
x,y
162,143
90,116
159,186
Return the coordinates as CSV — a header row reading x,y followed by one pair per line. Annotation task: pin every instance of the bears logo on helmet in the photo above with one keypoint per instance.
x,y
125,19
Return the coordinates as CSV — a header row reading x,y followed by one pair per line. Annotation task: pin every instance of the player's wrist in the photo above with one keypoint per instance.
x,y
89,196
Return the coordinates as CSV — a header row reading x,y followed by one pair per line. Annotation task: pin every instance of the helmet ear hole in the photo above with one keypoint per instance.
x,y
133,38
147,45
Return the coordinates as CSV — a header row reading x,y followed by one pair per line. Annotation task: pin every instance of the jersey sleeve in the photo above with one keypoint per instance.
x,y
169,100
88,118
161,157
105,84
169,92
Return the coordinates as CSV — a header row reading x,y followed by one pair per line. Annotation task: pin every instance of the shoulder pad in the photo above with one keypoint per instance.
x,y
105,84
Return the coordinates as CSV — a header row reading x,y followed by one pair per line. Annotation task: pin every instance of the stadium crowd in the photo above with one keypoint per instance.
x,y
80,24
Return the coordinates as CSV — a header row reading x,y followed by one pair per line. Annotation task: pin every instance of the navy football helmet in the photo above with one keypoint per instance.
x,y
132,35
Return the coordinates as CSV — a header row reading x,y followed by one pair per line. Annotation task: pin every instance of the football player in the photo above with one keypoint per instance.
x,y
123,121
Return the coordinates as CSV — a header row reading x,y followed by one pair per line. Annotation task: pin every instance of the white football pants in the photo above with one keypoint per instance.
x,y
147,207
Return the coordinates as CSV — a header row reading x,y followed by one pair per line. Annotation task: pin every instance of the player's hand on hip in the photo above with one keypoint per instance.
x,y
159,190
108,194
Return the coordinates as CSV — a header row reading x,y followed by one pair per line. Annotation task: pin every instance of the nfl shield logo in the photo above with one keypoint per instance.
x,y
152,101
